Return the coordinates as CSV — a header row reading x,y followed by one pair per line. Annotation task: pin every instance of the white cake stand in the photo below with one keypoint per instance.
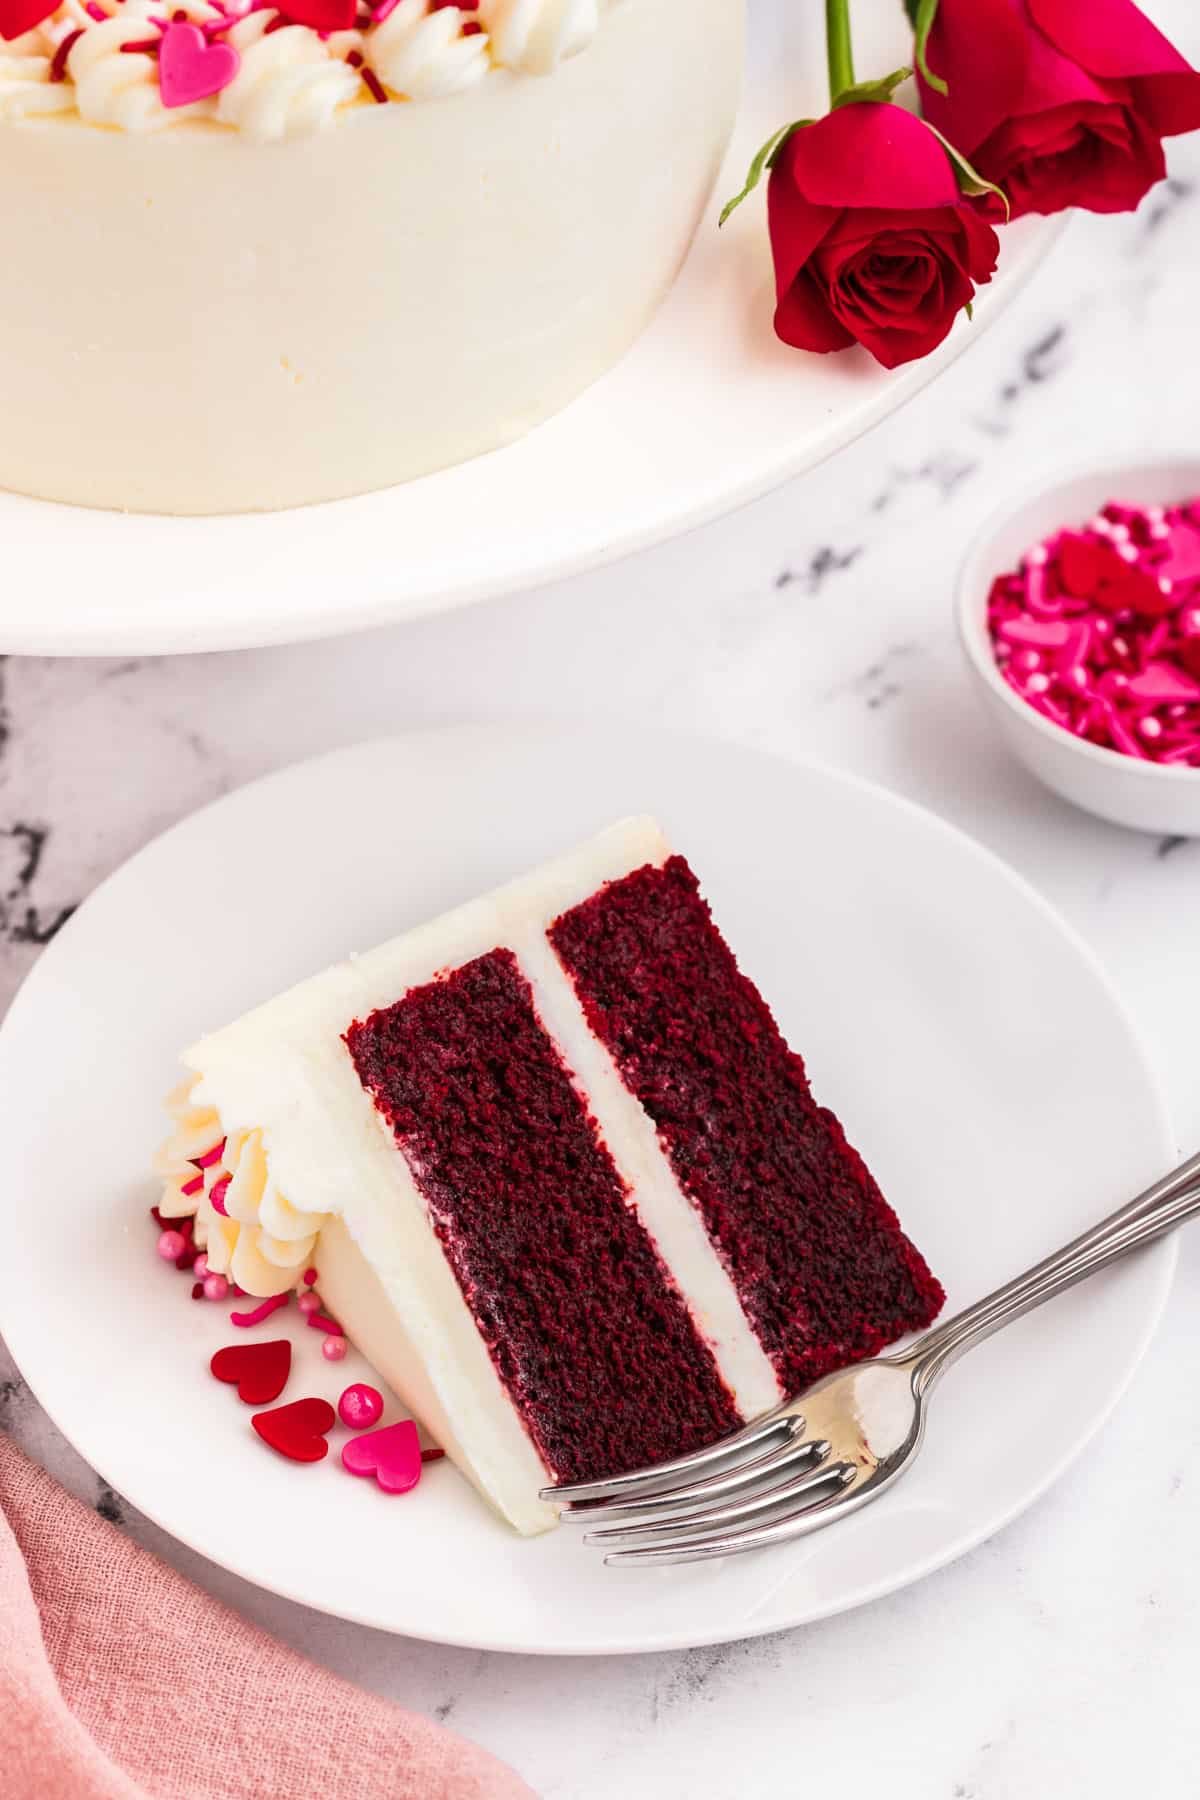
x,y
707,411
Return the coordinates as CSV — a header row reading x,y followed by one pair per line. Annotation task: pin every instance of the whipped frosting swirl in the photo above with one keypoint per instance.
x,y
246,1227
114,86
423,54
26,89
536,35
288,83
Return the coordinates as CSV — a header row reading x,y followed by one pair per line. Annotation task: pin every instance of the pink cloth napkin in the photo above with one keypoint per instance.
x,y
120,1680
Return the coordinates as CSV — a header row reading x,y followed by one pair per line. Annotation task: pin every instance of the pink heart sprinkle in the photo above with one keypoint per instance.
x,y
190,68
1182,561
392,1455
1049,636
1161,685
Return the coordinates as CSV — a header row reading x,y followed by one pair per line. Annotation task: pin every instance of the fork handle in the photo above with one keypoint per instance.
x,y
1157,1210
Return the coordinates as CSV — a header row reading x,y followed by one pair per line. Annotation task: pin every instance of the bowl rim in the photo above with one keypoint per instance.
x,y
971,609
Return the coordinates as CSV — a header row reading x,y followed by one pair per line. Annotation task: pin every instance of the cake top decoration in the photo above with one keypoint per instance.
x,y
269,72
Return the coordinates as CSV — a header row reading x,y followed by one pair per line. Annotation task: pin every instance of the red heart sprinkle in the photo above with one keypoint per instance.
x,y
1136,590
1083,564
321,15
260,1370
392,1455
297,1430
19,16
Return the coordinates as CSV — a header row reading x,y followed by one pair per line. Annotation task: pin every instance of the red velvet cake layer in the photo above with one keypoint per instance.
x,y
584,1324
821,1266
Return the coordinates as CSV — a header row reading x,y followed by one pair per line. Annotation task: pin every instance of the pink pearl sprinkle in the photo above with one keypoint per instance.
x,y
200,1267
171,1245
215,1287
360,1406
309,1303
333,1349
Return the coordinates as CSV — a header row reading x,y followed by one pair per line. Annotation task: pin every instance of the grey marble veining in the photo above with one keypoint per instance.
x,y
1059,1658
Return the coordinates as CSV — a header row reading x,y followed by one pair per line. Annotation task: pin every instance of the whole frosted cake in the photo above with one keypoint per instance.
x,y
258,257
557,1173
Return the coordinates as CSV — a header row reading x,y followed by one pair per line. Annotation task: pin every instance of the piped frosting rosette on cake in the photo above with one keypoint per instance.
x,y
247,1228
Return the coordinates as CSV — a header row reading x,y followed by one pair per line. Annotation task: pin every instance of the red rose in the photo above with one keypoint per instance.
x,y
873,242
1059,102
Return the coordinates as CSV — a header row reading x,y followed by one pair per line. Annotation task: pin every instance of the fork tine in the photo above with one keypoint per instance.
x,y
805,1519
809,1490
660,1476
790,1458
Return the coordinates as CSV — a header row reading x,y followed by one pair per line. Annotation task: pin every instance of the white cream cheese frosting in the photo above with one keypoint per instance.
x,y
290,81
280,1088
536,35
421,52
245,1225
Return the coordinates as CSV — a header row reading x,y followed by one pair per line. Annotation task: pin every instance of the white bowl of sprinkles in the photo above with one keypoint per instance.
x,y
1079,613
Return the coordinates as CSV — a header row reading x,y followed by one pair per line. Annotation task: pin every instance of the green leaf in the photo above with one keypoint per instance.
x,y
923,14
881,90
969,179
969,309
764,160
910,7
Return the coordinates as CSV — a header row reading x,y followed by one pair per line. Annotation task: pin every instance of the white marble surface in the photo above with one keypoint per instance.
x,y
1060,1658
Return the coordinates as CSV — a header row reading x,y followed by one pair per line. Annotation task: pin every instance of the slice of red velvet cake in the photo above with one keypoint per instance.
x,y
562,1178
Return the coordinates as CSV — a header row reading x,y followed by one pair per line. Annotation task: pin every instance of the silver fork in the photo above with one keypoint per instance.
x,y
821,1456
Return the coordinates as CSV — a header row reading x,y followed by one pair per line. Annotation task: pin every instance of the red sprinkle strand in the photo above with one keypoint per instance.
x,y
322,1322
1099,631
194,1186
217,1195
428,1456
141,47
374,86
210,1156
58,68
260,1312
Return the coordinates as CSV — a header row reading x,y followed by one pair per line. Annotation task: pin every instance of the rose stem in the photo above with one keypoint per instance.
x,y
838,45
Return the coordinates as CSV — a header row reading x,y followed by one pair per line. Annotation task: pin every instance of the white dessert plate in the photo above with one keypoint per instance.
x,y
969,1041
706,412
